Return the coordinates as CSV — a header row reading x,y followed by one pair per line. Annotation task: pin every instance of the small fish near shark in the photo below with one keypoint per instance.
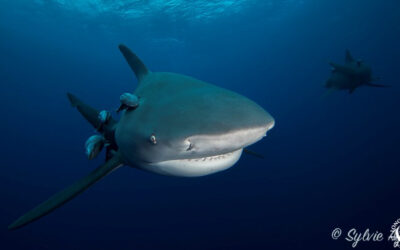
x,y
351,75
171,125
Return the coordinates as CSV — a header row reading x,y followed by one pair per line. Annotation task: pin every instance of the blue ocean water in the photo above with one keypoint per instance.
x,y
331,161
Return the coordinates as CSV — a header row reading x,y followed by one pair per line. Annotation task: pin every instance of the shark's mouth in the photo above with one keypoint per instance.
x,y
195,166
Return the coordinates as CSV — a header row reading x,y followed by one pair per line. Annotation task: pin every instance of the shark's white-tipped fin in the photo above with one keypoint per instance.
x,y
134,62
67,194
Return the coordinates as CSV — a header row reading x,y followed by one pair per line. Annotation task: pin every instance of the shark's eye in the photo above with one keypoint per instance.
x,y
153,139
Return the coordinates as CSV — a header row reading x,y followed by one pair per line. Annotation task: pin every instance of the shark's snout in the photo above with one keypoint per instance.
x,y
243,130
197,128
227,142
204,154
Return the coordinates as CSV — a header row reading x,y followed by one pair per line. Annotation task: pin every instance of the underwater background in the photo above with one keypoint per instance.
x,y
332,160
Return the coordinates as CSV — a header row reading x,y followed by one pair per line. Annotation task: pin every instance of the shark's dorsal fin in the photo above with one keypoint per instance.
x,y
134,62
67,194
348,57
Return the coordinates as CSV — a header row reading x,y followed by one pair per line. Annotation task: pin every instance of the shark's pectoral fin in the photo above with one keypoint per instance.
x,y
375,78
90,114
378,85
67,194
105,125
134,62
249,152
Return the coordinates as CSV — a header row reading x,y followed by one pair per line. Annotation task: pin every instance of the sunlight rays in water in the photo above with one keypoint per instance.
x,y
131,9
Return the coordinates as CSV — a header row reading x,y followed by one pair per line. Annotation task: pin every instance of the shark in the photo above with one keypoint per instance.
x,y
171,125
351,75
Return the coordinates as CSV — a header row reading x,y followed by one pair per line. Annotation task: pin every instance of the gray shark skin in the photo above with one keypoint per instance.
x,y
181,127
351,75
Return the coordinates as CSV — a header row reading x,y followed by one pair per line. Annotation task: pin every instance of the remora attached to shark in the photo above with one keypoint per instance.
x,y
351,75
172,125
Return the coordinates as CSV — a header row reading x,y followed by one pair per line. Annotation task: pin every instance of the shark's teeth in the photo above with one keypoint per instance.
x,y
210,158
195,166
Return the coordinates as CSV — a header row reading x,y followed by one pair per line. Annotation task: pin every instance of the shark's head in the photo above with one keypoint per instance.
x,y
338,80
185,127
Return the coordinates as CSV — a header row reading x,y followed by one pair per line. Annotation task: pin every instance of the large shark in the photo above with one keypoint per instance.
x,y
351,75
172,125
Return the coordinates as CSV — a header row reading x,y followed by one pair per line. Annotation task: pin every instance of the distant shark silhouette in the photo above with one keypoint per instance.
x,y
351,75
172,125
